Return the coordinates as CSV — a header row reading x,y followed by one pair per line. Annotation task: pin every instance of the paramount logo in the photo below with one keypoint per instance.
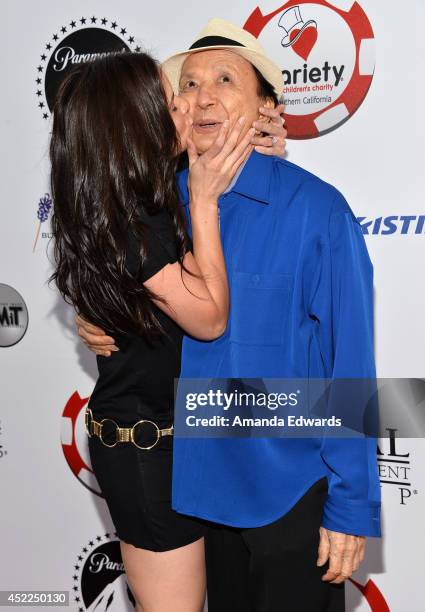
x,y
65,55
77,41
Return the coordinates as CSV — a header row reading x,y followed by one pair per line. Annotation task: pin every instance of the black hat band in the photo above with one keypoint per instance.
x,y
215,41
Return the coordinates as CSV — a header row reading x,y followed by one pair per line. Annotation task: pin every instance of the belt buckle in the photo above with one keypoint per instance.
x,y
101,432
158,435
122,434
87,424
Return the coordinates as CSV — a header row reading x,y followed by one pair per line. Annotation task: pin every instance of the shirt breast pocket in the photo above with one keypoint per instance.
x,y
259,307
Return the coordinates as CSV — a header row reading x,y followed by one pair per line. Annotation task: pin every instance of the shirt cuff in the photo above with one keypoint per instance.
x,y
355,517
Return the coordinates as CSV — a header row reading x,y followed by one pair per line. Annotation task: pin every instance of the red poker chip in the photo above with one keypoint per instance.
x,y
72,437
373,595
327,54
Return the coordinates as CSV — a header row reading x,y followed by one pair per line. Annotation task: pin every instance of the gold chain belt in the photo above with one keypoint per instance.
x,y
110,435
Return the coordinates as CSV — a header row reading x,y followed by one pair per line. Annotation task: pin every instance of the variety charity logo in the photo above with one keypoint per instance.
x,y
74,442
79,41
327,54
99,579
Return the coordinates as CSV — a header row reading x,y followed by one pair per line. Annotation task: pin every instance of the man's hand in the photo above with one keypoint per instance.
x,y
95,338
345,553
275,141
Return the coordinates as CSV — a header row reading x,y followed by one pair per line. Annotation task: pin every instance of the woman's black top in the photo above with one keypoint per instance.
x,y
138,381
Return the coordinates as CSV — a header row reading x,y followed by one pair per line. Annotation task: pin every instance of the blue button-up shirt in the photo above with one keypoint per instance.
x,y
301,286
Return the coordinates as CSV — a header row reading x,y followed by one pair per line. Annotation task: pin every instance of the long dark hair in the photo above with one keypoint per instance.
x,y
113,154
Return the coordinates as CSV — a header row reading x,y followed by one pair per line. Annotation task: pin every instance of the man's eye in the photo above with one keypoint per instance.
x,y
225,79
189,85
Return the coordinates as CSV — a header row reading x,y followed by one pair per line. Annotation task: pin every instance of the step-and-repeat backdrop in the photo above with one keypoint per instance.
x,y
354,100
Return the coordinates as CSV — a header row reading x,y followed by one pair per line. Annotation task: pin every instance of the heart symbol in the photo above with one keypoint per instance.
x,y
306,41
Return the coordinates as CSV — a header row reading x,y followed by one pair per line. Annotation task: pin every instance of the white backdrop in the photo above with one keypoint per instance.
x,y
55,530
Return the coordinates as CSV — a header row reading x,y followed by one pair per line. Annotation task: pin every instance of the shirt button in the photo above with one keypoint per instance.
x,y
255,278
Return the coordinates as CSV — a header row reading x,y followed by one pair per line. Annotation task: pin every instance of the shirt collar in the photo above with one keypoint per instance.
x,y
236,177
255,178
253,181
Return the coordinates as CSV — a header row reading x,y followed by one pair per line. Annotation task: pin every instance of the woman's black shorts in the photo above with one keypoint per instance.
x,y
136,485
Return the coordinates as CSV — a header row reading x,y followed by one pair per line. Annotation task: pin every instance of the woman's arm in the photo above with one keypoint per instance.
x,y
200,304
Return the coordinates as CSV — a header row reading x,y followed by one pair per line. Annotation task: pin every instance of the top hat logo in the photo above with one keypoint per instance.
x,y
299,35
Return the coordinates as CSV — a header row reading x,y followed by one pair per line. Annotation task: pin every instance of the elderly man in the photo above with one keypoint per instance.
x,y
288,518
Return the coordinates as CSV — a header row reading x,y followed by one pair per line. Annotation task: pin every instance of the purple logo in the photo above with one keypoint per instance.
x,y
44,206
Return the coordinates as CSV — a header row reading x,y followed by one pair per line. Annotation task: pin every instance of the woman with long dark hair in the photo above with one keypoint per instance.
x,y
125,262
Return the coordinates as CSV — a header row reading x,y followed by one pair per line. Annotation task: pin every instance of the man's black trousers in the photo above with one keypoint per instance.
x,y
272,568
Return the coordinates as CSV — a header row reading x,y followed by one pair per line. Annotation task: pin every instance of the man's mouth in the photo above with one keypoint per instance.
x,y
206,126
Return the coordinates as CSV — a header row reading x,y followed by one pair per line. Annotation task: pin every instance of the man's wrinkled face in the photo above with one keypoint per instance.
x,y
218,85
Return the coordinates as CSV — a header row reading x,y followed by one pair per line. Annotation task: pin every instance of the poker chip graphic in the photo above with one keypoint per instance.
x,y
327,54
74,442
373,595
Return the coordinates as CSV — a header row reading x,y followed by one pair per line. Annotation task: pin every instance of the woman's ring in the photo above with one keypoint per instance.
x,y
274,140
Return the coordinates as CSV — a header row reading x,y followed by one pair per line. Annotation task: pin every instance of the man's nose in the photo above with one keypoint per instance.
x,y
206,97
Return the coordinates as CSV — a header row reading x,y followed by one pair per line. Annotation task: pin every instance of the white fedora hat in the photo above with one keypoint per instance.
x,y
220,34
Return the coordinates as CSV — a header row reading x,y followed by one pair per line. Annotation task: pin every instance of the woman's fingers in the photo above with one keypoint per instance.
x,y
270,129
191,152
104,353
241,159
219,142
82,324
275,114
211,173
280,109
269,145
267,150
223,146
272,139
232,140
240,150
264,141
